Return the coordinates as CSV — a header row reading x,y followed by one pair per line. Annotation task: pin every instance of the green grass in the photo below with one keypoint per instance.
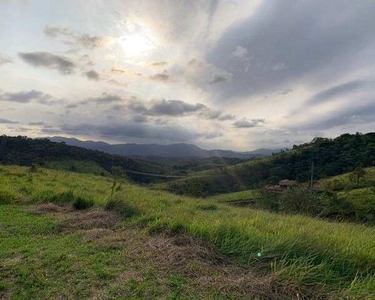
x,y
79,166
328,257
344,182
243,195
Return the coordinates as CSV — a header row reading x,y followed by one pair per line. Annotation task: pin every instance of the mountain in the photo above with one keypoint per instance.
x,y
175,150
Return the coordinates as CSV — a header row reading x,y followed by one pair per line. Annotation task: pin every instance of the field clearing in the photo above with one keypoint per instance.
x,y
311,256
243,195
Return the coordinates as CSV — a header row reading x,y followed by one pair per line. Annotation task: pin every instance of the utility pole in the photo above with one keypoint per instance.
x,y
312,178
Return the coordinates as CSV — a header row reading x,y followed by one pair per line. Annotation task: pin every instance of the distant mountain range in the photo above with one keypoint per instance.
x,y
174,150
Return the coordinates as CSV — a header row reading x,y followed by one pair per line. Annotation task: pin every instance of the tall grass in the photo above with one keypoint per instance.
x,y
336,258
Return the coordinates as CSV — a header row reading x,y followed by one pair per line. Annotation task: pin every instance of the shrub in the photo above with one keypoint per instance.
x,y
81,203
7,196
299,200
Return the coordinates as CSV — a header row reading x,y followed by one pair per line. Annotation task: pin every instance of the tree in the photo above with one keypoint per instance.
x,y
357,174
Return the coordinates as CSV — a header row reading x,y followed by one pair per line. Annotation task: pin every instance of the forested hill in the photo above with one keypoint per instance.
x,y
26,151
330,157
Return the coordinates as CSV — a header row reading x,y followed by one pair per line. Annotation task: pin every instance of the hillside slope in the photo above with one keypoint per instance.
x,y
330,156
295,257
25,151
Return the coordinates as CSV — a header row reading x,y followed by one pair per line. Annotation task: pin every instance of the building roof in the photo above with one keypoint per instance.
x,y
287,182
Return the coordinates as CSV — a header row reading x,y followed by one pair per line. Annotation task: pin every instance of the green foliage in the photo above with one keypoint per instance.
x,y
299,200
81,203
24,151
357,174
330,156
7,195
121,207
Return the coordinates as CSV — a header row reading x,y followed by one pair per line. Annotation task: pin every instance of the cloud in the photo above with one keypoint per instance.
x,y
158,64
5,59
92,75
338,90
139,119
249,124
37,123
117,83
138,130
6,121
309,41
160,77
218,78
172,107
27,97
50,61
103,99
122,72
362,113
86,41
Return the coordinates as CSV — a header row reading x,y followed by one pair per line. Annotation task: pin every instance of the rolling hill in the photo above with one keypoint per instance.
x,y
330,156
25,152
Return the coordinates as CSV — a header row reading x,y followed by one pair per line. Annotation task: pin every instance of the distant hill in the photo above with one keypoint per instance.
x,y
330,156
175,150
26,151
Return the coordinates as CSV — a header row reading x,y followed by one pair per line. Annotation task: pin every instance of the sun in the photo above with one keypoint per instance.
x,y
136,44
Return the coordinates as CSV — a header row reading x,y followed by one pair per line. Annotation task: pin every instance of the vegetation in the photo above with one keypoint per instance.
x,y
330,156
305,255
27,152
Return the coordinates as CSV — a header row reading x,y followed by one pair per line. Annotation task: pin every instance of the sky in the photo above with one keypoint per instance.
x,y
227,74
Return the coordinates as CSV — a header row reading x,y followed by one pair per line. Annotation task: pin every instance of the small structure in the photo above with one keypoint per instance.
x,y
282,186
286,183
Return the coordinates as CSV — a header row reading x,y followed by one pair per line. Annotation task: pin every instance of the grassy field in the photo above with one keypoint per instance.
x,y
243,195
345,182
314,258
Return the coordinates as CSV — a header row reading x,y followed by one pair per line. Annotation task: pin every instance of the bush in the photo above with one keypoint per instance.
x,y
81,203
121,207
299,200
7,196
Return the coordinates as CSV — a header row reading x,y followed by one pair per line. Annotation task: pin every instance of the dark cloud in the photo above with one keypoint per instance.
x,y
5,59
92,75
50,61
139,119
27,97
37,123
337,91
362,113
6,121
71,105
218,78
103,99
164,77
172,107
287,41
249,124
117,83
84,40
139,131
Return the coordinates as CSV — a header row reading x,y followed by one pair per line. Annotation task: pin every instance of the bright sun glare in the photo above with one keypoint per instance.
x,y
136,44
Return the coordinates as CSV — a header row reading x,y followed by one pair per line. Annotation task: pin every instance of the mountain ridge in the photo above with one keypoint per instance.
x,y
172,150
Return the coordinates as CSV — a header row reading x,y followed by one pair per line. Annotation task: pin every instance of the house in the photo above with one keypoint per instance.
x,y
286,183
